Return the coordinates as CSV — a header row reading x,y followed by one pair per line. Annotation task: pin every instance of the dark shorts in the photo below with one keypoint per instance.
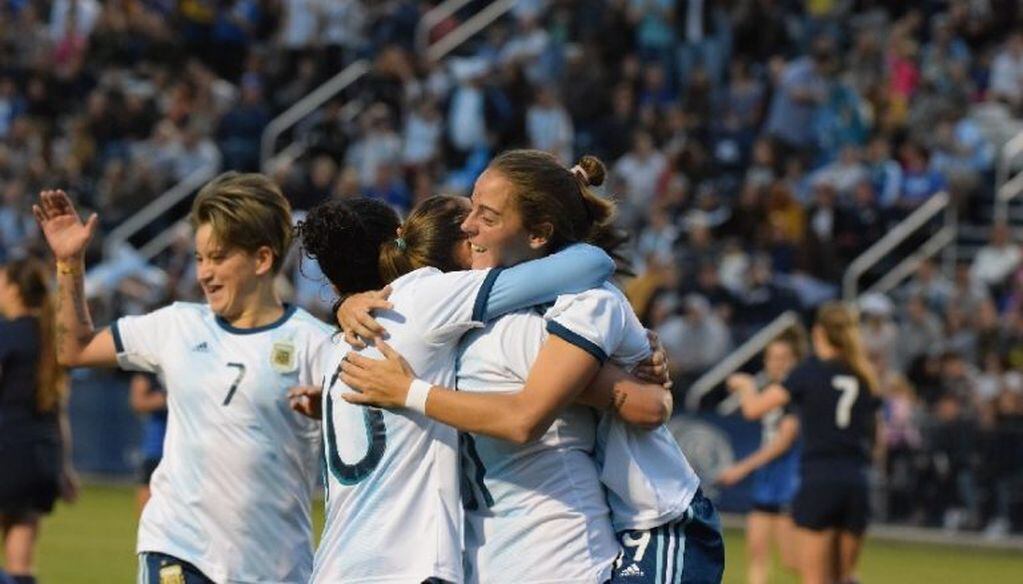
x,y
157,568
30,481
146,470
823,505
687,550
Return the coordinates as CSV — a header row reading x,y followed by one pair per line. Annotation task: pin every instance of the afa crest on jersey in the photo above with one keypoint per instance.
x,y
282,356
172,575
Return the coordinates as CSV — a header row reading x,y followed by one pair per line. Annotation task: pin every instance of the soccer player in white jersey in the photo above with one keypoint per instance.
x,y
546,495
231,497
392,498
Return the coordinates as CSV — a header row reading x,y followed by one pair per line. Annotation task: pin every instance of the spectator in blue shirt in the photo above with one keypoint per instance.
x,y
150,400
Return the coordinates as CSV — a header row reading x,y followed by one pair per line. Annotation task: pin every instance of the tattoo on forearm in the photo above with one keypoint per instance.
x,y
618,399
78,300
61,335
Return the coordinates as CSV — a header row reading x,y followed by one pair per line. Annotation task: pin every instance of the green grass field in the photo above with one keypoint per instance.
x,y
92,543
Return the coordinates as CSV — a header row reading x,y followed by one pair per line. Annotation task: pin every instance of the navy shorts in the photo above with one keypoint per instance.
x,y
823,505
688,550
30,483
147,469
157,568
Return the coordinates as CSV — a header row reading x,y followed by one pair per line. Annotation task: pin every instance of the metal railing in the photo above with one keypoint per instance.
x,y
907,266
1008,187
305,106
737,358
120,235
270,159
467,29
432,18
939,203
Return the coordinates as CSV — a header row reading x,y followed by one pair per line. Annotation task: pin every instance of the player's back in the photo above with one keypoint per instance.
x,y
837,414
238,463
392,499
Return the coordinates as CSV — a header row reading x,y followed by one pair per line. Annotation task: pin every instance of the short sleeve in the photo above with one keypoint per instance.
x,y
596,321
450,304
319,359
138,339
797,382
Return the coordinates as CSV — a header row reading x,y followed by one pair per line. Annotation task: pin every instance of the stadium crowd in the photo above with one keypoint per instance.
x,y
755,148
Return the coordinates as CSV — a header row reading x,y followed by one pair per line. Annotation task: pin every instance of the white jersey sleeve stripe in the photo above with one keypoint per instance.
x,y
118,343
590,347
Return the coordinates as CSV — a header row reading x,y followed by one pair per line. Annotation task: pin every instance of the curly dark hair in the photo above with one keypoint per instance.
x,y
345,237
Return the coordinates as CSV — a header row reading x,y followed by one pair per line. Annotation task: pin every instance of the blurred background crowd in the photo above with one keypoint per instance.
x,y
755,148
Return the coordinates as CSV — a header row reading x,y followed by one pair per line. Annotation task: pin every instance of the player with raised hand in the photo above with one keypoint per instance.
x,y
231,496
774,468
530,479
835,393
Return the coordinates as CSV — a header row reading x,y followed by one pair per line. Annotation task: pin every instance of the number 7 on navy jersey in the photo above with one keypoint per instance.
x,y
850,388
237,380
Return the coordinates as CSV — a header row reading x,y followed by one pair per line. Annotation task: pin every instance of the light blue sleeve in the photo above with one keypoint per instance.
x,y
574,269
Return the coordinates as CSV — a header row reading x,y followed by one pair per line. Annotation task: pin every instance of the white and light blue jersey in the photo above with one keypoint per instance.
x,y
232,493
534,512
649,481
392,490
393,511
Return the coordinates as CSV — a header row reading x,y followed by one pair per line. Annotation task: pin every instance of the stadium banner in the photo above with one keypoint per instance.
x,y
712,443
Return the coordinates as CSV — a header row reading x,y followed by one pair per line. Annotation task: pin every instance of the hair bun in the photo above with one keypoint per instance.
x,y
593,170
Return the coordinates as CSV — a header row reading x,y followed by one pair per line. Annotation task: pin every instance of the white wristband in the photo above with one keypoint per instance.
x,y
418,391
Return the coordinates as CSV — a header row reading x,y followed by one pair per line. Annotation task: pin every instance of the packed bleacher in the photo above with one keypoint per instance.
x,y
755,148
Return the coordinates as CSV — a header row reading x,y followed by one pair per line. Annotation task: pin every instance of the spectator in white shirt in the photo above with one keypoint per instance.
x,y
379,145
696,340
423,129
549,127
996,260
1007,72
640,170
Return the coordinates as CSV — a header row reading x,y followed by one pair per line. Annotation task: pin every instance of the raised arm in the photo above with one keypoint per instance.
x,y
78,344
788,431
558,376
756,404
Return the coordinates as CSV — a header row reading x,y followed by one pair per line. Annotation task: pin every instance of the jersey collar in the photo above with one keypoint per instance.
x,y
289,309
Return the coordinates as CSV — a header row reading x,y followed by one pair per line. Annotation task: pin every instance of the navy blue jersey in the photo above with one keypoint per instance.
x,y
19,361
836,415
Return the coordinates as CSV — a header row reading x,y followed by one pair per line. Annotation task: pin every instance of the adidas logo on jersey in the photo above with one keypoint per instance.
x,y
202,347
633,571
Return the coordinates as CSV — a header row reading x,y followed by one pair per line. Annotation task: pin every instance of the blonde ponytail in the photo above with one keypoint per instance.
x,y
841,327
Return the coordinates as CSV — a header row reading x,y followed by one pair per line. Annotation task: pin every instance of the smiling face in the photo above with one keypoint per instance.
x,y
494,226
230,277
